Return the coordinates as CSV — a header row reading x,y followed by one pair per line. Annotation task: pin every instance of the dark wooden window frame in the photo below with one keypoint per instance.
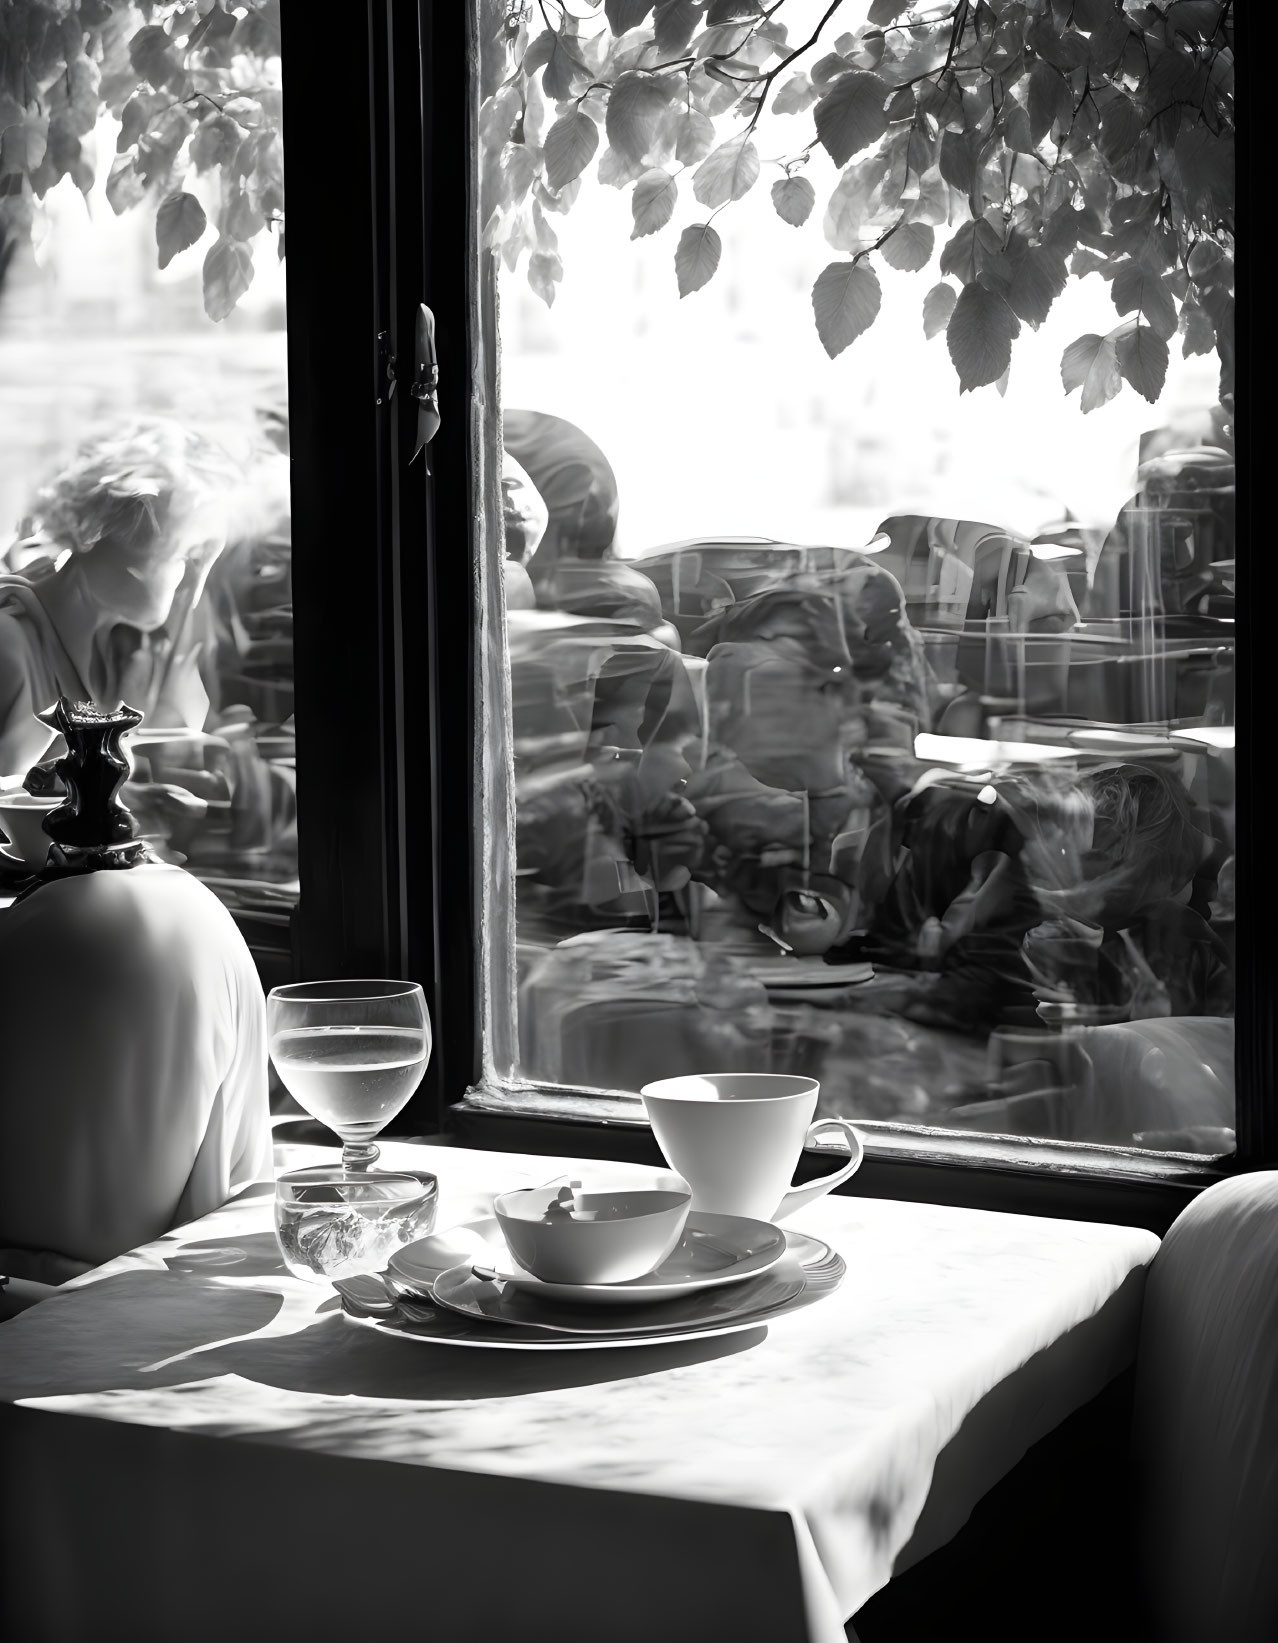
x,y
379,135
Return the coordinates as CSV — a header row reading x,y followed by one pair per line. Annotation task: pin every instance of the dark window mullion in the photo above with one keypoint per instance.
x,y
344,830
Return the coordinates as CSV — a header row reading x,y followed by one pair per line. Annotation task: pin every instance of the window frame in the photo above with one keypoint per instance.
x,y
390,823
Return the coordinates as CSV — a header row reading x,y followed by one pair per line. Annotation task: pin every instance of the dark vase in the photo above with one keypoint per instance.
x,y
91,829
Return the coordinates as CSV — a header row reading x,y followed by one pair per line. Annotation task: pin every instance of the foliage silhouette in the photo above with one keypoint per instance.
x,y
1020,143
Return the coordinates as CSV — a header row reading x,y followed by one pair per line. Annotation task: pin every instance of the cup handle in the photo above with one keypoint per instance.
x,y
799,1196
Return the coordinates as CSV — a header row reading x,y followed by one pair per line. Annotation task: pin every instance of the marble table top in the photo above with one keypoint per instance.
x,y
835,1415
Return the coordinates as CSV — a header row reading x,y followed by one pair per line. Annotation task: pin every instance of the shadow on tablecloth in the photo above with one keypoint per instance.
x,y
223,1307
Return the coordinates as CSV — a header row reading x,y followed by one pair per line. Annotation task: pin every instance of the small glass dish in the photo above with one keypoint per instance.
x,y
332,1223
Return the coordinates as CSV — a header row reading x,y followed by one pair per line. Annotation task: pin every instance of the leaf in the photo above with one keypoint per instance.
x,y
979,337
635,106
960,152
178,223
228,273
865,53
727,173
795,95
901,105
1206,164
152,56
958,255
1120,126
697,257
1142,358
626,14
546,238
883,12
124,188
850,116
1197,329
1061,47
1137,290
135,116
694,137
1060,231
1017,134
845,302
932,204
83,83
497,116
910,248
23,146
849,213
938,305
1038,279
674,25
1207,263
239,218
653,201
615,170
544,274
731,11
1047,100
827,69
569,148
793,198
215,25
1091,363
1108,36
564,69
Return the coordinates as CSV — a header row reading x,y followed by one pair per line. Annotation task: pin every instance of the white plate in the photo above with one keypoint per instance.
x,y
462,1291
720,1312
714,1250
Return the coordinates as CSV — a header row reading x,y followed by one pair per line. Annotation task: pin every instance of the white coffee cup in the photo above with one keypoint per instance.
x,y
736,1138
22,820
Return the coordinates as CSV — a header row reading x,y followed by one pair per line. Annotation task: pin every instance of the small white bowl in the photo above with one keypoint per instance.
x,y
601,1233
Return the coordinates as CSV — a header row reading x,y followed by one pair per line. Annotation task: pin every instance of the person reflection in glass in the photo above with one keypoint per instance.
x,y
573,564
104,604
108,600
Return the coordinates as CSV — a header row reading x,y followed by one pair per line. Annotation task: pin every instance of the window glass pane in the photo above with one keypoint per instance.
x,y
869,502
144,420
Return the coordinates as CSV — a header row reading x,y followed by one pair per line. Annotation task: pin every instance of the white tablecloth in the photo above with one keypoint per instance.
x,y
846,1419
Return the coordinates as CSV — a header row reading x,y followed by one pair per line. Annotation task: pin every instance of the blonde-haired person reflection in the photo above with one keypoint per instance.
x,y
104,600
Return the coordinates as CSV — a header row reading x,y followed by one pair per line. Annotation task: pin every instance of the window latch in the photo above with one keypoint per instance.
x,y
425,388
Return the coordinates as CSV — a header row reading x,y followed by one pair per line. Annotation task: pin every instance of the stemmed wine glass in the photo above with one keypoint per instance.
x,y
351,1053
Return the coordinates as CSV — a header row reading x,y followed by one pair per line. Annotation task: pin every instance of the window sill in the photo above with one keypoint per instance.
x,y
1069,1180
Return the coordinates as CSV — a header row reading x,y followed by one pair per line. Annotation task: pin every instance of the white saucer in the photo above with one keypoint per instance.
x,y
726,1312
714,1250
465,1292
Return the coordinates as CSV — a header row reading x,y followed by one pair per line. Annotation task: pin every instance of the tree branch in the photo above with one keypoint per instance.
x,y
770,76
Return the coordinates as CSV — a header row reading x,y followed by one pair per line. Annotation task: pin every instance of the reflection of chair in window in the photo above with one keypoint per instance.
x,y
996,612
1162,597
607,729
